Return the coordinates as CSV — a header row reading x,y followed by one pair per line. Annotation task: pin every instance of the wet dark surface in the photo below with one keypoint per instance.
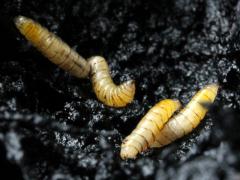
x,y
52,126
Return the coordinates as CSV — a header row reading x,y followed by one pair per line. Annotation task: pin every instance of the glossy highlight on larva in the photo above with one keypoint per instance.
x,y
148,129
106,91
53,47
188,118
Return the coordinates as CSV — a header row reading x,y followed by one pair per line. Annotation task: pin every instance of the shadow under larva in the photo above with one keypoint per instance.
x,y
148,129
106,91
52,47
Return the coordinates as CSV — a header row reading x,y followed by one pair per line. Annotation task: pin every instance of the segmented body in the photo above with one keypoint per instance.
x,y
104,87
188,118
148,128
53,47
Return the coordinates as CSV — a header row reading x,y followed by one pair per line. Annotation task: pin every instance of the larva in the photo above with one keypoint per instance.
x,y
104,87
188,118
148,128
53,47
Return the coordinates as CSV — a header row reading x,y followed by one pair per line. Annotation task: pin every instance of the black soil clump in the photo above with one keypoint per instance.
x,y
53,127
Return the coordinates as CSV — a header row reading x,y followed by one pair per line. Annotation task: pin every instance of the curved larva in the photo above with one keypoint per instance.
x,y
148,128
53,47
188,118
104,87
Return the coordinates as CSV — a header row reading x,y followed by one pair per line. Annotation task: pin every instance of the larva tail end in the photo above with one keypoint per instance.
x,y
128,152
95,59
19,21
131,84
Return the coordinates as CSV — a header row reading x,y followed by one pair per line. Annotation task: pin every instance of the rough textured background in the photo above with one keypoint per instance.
x,y
52,126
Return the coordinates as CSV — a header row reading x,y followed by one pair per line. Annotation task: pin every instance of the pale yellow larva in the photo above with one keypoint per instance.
x,y
188,118
106,91
148,128
53,47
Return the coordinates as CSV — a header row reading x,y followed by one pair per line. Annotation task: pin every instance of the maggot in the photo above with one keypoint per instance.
x,y
188,118
106,91
148,129
52,47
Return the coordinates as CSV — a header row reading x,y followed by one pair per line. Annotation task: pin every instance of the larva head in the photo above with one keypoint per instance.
x,y
21,23
128,152
177,104
173,103
211,92
213,87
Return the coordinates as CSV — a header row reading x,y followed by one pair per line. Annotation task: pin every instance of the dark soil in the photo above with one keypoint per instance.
x,y
53,127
